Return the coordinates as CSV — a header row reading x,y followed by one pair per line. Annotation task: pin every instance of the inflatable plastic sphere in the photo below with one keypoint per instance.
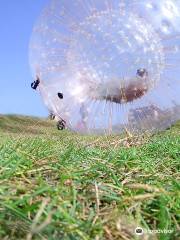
x,y
109,65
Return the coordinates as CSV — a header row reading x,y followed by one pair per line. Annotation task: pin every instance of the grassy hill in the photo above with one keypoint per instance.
x,y
60,185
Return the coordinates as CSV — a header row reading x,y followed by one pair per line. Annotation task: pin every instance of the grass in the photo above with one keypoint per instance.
x,y
59,185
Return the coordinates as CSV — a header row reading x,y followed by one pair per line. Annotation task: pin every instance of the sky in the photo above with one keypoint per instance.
x,y
17,18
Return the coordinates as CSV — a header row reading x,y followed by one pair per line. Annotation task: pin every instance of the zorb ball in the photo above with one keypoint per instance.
x,y
109,65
